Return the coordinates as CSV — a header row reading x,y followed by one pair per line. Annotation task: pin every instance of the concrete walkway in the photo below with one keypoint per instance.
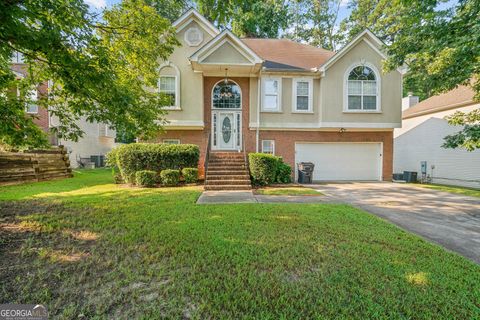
x,y
226,197
222,197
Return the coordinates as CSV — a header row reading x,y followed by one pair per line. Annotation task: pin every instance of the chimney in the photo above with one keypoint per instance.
x,y
409,101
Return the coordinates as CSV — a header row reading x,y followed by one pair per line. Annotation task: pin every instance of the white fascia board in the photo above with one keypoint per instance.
x,y
351,44
191,15
220,39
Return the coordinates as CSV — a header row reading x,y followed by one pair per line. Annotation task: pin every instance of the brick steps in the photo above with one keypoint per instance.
x,y
227,171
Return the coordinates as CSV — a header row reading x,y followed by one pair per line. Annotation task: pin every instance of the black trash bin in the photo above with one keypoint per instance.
x,y
410,176
305,172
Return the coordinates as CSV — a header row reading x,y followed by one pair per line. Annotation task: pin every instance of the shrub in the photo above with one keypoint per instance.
x,y
134,157
146,178
170,177
190,175
284,173
263,168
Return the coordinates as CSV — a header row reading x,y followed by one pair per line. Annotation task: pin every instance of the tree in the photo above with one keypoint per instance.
x,y
467,138
101,69
247,18
316,23
170,9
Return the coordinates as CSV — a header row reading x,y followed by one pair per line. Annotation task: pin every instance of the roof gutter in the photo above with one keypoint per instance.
x,y
444,108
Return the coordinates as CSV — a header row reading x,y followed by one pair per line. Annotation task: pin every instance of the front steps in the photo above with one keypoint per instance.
x,y
227,171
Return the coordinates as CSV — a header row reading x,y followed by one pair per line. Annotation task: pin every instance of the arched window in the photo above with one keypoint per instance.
x,y
169,84
226,95
362,89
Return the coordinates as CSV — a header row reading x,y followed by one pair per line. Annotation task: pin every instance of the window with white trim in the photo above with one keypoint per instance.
x,y
271,94
32,106
171,141
268,146
362,89
168,87
302,95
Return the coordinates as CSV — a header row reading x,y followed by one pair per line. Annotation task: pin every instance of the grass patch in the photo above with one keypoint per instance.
x,y
471,192
87,246
288,191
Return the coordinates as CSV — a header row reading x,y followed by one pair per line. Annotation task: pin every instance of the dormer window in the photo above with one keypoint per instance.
x,y
362,89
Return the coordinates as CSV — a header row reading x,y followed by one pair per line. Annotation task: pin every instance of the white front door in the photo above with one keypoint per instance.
x,y
226,130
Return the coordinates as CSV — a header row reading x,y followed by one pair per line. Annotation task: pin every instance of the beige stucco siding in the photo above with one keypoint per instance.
x,y
191,83
332,90
287,117
226,53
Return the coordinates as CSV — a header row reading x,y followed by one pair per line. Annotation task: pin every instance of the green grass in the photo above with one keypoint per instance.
x,y
86,246
288,191
471,192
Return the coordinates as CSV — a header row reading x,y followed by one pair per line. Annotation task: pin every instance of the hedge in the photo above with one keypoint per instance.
x,y
146,178
170,177
190,175
263,168
284,173
267,169
134,157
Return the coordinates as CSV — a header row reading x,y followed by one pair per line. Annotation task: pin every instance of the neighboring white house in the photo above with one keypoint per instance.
x,y
97,141
421,138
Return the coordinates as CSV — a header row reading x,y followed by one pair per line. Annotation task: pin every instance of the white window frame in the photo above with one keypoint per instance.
x,y
345,89
272,142
171,141
177,84
33,95
294,95
278,95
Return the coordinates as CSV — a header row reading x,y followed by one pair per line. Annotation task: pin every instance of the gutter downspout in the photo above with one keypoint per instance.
x,y
257,133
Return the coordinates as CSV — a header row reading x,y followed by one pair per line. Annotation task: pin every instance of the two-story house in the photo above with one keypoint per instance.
x,y
335,109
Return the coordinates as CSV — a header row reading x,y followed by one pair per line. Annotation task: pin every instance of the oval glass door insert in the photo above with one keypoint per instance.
x,y
226,129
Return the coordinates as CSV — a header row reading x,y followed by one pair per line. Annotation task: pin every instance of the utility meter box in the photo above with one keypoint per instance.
x,y
423,165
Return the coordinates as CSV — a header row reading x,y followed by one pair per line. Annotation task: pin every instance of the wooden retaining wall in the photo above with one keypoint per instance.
x,y
34,165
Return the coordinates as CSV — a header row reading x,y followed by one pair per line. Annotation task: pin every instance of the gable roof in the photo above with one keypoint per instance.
x,y
286,54
458,97
191,15
367,36
223,37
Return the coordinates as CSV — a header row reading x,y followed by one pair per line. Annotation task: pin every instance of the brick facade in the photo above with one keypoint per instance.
x,y
41,118
284,140
285,143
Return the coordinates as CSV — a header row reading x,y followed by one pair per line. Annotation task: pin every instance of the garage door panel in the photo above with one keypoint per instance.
x,y
341,161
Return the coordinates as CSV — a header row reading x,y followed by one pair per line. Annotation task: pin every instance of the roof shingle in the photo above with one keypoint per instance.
x,y
460,96
288,54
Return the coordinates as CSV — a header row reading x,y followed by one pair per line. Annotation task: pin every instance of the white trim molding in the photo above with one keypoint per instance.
x,y
295,81
325,125
278,94
169,64
225,36
378,81
192,15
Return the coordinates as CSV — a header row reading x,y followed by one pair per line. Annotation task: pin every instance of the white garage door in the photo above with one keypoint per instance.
x,y
342,161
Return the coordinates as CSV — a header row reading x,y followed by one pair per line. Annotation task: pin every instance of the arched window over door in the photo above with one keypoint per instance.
x,y
226,95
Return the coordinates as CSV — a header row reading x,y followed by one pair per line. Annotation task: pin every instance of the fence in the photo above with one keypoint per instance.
x,y
34,165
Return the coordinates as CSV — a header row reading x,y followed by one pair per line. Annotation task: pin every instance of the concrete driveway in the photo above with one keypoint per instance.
x,y
450,220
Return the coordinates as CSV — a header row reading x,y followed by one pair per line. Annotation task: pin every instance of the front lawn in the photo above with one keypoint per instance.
x,y
471,192
85,246
288,191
